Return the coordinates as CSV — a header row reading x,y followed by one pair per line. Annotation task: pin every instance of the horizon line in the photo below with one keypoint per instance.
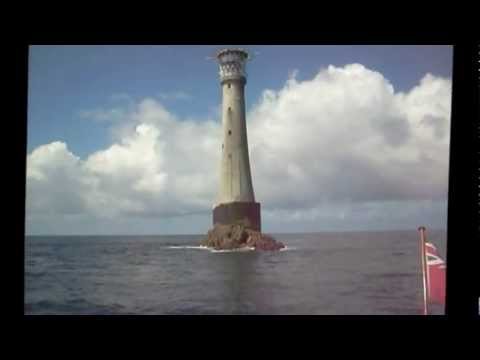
x,y
269,232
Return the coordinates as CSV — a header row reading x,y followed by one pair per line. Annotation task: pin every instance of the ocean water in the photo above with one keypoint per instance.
x,y
323,273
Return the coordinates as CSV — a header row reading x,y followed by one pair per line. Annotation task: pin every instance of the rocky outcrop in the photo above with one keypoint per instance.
x,y
236,236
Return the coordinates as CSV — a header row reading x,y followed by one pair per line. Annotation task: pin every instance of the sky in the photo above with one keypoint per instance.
x,y
126,139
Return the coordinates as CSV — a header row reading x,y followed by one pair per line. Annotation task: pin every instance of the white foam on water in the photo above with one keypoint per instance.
x,y
244,249
288,248
201,247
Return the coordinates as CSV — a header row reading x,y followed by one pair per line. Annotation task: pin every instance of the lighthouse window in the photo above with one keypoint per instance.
x,y
229,85
229,132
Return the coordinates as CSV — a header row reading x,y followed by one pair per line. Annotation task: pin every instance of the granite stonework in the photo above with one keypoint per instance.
x,y
247,213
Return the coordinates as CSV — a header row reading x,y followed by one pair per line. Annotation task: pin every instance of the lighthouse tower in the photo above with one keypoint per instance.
x,y
236,200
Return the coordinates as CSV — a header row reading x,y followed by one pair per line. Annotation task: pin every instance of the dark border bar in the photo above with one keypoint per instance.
x,y
462,230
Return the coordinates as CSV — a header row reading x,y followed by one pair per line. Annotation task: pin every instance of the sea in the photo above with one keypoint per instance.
x,y
348,273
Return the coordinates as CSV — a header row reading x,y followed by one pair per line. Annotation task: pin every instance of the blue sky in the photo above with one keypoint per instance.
x,y
68,82
64,81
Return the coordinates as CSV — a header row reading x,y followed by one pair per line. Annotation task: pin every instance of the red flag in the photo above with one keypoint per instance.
x,y
436,275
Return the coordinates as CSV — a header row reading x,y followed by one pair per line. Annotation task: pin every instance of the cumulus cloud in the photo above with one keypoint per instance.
x,y
343,137
160,167
347,136
55,182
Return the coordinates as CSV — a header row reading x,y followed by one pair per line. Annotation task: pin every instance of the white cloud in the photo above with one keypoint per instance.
x,y
174,95
347,136
55,182
123,105
102,115
344,138
159,167
120,97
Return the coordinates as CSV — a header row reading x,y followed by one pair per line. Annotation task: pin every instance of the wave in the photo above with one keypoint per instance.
x,y
201,247
76,306
32,274
233,250
212,250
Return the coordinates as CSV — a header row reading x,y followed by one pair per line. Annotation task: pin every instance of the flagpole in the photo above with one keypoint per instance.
x,y
424,278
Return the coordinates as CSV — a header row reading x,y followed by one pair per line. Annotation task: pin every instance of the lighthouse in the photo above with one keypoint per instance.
x,y
235,200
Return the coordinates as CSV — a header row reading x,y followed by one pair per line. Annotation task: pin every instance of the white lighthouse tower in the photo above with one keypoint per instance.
x,y
236,200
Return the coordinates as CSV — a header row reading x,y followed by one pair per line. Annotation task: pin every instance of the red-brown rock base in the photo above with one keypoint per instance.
x,y
237,236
